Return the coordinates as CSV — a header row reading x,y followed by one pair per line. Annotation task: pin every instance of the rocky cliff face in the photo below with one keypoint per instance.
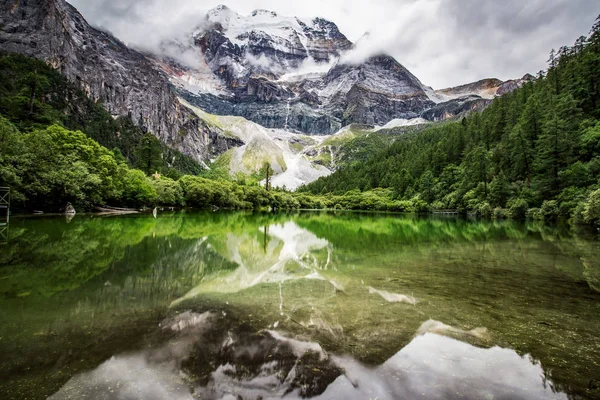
x,y
374,92
454,108
371,93
485,88
513,84
122,79
462,100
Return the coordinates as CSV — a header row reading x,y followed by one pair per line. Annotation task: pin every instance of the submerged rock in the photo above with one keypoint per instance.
x,y
69,209
393,297
439,328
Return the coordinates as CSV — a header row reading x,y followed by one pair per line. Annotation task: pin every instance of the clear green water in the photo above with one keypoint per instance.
x,y
233,305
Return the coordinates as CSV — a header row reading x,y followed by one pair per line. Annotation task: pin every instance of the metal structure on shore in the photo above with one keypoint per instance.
x,y
4,213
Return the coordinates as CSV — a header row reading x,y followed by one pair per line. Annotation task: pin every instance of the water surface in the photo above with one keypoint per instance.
x,y
308,305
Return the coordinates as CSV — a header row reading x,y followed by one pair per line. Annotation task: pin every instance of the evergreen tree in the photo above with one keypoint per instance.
x,y
557,145
149,155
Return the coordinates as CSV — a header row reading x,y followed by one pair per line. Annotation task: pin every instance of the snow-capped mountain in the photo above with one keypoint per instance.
x,y
269,38
288,73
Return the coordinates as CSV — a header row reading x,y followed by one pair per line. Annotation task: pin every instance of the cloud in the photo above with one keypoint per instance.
x,y
260,62
443,42
362,50
310,66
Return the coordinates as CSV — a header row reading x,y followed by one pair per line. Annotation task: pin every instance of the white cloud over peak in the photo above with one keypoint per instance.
x,y
443,42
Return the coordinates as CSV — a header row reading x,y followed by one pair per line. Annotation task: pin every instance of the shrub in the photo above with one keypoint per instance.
x,y
400,206
168,191
518,209
534,213
438,205
549,211
568,200
137,189
419,206
591,211
499,213
578,214
483,210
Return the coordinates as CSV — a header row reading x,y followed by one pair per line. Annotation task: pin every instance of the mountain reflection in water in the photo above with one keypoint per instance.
x,y
309,305
270,365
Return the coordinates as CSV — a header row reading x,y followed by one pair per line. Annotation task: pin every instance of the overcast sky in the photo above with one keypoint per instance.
x,y
443,42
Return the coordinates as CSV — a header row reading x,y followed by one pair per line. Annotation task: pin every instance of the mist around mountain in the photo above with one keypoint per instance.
x,y
302,75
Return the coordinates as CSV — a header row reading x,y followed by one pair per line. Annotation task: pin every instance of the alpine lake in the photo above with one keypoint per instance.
x,y
218,305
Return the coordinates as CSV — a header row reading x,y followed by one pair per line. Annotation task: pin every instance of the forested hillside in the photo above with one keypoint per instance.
x,y
538,147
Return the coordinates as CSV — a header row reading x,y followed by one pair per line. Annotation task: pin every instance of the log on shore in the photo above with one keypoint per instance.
x,y
115,210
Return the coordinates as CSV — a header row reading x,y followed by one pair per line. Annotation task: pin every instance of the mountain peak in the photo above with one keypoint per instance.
x,y
268,41
218,9
221,14
261,12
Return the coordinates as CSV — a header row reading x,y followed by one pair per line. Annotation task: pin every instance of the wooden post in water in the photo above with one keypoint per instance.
x,y
4,213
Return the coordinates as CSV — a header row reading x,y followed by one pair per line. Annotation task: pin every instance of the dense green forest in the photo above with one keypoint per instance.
x,y
534,152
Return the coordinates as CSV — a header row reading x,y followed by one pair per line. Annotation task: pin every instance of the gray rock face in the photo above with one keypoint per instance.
x,y
299,116
108,71
456,108
472,97
482,87
375,92
219,144
513,84
371,93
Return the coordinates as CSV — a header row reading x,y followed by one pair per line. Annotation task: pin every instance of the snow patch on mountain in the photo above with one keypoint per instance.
x,y
299,171
199,80
284,150
260,25
484,88
395,123
442,97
